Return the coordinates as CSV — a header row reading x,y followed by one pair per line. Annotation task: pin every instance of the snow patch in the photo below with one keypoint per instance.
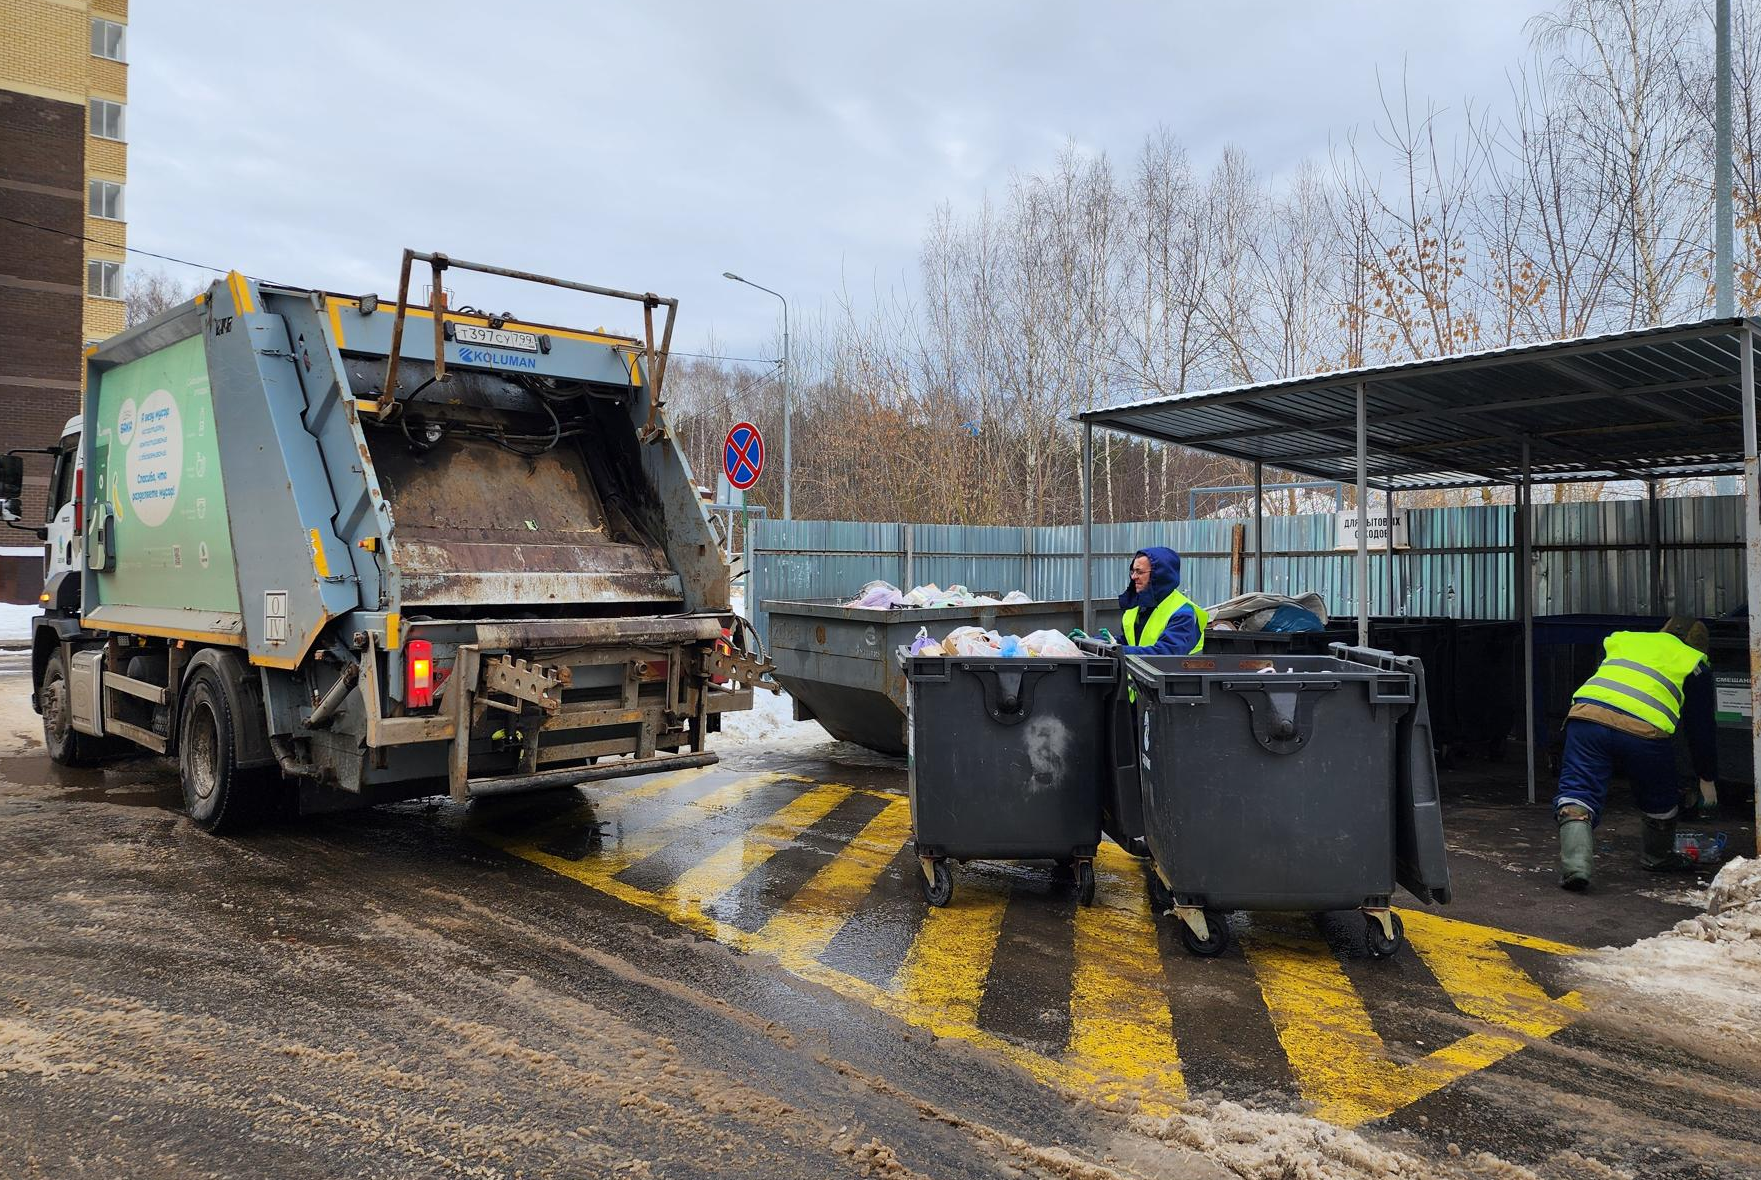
x,y
15,619
771,720
1704,972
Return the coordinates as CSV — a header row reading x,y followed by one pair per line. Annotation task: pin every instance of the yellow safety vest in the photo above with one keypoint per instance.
x,y
1642,673
1159,618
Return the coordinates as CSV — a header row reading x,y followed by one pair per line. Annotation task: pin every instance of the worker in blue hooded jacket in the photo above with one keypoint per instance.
x,y
1159,620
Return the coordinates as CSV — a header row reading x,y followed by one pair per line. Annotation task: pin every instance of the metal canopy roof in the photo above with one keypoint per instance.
x,y
1654,403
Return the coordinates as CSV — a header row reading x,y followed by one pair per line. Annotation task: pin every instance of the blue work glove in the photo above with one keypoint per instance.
x,y
1078,633
1106,636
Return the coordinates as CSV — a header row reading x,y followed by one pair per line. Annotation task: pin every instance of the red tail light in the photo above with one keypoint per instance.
x,y
79,500
418,673
723,646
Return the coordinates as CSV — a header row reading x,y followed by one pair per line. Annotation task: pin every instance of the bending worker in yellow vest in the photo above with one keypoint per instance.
x,y
1159,620
1622,719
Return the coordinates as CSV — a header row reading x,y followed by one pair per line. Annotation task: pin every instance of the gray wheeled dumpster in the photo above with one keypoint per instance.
x,y
1302,783
838,661
1007,761
1122,797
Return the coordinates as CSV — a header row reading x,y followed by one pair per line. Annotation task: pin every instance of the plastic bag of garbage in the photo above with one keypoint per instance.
x,y
1011,648
922,595
1015,597
920,646
952,596
876,594
1051,644
970,641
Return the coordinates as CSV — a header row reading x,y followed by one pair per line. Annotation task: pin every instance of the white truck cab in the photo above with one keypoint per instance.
x,y
65,548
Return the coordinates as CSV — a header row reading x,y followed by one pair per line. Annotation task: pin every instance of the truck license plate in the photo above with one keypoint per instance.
x,y
495,337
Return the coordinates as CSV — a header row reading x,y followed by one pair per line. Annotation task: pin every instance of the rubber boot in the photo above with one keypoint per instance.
x,y
1577,847
1657,852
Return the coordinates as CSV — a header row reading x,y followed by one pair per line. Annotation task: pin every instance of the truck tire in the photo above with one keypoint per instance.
x,y
218,795
67,746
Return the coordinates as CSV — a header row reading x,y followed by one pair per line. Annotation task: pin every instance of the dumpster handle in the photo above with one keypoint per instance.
x,y
1008,687
1100,671
1283,719
1393,690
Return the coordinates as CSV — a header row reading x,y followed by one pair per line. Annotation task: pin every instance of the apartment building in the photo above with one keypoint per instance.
x,y
63,210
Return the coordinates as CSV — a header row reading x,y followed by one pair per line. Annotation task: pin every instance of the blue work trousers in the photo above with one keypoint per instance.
x,y
1594,754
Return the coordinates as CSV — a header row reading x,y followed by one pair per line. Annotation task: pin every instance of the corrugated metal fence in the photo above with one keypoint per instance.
x,y
1589,558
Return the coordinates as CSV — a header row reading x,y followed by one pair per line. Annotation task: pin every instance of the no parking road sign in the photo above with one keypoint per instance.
x,y
743,455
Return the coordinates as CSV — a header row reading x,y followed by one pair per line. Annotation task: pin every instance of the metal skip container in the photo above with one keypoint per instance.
x,y
838,663
1007,758
1302,783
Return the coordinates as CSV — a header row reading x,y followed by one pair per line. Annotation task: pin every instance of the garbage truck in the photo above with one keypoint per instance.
x,y
332,550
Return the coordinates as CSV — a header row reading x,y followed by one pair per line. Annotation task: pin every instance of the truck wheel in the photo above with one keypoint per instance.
x,y
217,794
67,746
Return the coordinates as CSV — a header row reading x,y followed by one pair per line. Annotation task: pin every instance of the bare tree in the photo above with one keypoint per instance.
x,y
1627,71
149,292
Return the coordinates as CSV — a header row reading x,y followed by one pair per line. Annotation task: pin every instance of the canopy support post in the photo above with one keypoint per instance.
x,y
1525,586
1088,473
1654,545
1363,529
1391,594
1752,549
1259,512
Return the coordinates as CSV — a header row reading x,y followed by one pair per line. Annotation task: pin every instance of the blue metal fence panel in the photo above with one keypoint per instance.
x,y
1589,558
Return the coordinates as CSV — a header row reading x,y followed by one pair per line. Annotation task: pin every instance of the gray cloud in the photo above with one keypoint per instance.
x,y
654,146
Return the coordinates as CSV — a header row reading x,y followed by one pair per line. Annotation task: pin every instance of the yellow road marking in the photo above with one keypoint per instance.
x,y
612,803
1342,1065
1484,981
600,869
802,930
730,864
950,959
1122,1048
1121,1030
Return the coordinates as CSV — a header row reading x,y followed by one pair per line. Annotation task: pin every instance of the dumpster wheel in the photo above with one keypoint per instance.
x,y
1085,881
1161,897
937,881
1204,933
1384,933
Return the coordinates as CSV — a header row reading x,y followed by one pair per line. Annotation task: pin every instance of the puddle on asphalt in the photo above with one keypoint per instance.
x,y
143,782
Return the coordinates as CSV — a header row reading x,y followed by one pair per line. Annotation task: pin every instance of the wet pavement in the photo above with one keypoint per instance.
x,y
732,971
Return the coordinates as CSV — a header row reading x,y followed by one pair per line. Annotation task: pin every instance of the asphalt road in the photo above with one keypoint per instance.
x,y
731,972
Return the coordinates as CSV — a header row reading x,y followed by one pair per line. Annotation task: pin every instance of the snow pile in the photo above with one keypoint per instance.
x,y
1275,1145
1706,971
770,720
15,619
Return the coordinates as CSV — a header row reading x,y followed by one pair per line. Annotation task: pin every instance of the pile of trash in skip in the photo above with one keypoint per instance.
x,y
972,641
879,595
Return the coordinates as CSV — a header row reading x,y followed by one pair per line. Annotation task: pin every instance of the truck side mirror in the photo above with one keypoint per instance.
x,y
11,485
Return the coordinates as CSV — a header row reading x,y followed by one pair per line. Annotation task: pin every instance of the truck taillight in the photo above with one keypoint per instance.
x,y
79,500
418,673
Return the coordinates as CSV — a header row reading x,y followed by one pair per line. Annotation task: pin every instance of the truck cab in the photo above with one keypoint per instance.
x,y
64,551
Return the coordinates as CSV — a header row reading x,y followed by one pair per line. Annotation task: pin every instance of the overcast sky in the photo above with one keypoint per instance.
x,y
653,146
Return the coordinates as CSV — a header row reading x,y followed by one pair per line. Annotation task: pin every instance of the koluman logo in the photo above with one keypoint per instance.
x,y
504,360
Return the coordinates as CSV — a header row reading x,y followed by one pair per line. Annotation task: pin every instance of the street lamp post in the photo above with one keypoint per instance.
x,y
788,391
